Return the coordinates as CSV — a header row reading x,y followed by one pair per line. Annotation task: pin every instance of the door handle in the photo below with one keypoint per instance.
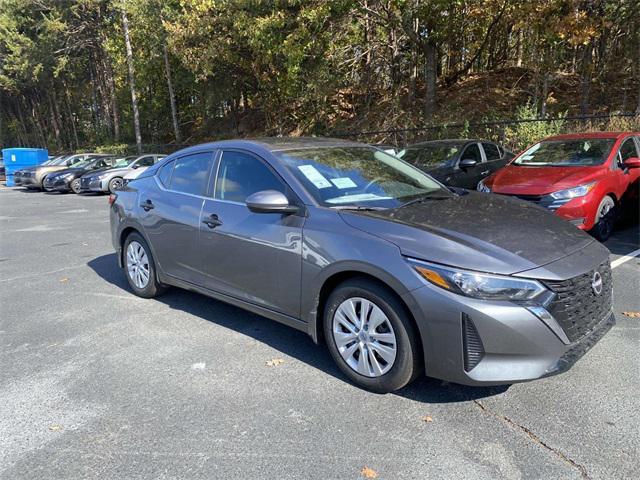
x,y
147,205
212,221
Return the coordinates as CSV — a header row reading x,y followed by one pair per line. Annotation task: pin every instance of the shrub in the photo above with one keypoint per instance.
x,y
521,135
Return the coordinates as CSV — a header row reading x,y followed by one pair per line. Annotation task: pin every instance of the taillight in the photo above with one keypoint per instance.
x,y
112,198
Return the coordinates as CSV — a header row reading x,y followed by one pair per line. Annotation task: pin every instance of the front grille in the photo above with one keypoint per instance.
x,y
576,306
471,343
545,201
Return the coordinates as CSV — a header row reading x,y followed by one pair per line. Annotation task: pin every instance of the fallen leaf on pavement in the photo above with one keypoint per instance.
x,y
274,362
632,314
368,472
55,427
64,279
427,418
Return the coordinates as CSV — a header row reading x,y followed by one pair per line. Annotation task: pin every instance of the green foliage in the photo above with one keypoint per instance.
x,y
521,135
116,148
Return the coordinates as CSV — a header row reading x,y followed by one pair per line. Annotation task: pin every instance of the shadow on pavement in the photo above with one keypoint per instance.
x,y
284,339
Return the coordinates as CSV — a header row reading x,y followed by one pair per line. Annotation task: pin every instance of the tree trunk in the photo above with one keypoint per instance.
x,y
519,48
430,77
585,79
172,99
70,113
132,82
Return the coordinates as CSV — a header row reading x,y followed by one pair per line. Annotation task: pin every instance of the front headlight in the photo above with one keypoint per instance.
x,y
575,192
484,286
482,187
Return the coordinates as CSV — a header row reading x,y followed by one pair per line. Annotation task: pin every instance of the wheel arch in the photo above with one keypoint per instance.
x,y
334,279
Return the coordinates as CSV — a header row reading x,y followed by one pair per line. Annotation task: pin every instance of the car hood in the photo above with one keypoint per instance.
x,y
482,232
518,180
50,168
135,173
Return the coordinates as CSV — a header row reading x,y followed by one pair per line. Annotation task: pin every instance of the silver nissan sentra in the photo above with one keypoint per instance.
x,y
396,273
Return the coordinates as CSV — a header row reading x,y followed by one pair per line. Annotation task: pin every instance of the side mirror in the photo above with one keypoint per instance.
x,y
135,166
269,201
68,163
467,163
633,162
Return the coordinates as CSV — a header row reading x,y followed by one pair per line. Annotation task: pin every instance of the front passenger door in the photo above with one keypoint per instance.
x,y
468,177
254,257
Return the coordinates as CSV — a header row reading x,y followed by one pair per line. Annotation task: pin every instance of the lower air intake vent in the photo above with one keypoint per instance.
x,y
472,345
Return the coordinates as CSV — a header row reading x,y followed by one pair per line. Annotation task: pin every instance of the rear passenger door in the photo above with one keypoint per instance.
x,y
254,257
495,159
170,210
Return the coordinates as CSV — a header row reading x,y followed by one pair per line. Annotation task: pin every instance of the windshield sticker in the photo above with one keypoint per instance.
x,y
344,182
314,176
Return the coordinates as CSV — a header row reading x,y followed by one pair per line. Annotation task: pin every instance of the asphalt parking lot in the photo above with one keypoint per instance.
x,y
97,383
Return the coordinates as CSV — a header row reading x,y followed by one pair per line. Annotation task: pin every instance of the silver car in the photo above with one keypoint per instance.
x,y
112,179
396,273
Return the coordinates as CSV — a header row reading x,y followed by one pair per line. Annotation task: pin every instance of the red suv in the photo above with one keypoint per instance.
x,y
581,177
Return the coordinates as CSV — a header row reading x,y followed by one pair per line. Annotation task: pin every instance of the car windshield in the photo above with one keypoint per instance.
x,y
124,162
83,163
58,160
429,155
567,153
358,176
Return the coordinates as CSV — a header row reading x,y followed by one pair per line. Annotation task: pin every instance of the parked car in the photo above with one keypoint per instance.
x,y
136,172
397,273
457,163
68,180
34,178
112,179
19,174
2,170
580,177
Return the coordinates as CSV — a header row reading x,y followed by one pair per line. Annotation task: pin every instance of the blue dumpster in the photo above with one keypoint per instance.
x,y
17,158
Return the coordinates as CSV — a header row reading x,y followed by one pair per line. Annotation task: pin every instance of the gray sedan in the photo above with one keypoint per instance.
x,y
111,180
396,273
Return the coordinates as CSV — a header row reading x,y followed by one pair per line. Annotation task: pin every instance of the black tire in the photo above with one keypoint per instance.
x,y
114,184
75,185
408,361
153,288
605,219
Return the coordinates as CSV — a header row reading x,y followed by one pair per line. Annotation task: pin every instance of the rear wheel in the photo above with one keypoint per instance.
x,y
371,337
115,184
605,219
75,185
140,267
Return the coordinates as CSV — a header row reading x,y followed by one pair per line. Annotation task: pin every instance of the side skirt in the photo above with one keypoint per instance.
x,y
265,312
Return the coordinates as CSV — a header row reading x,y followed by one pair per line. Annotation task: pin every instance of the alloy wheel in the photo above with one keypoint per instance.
x,y
115,184
364,337
138,265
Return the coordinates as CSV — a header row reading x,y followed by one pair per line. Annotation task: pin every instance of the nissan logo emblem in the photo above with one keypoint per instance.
x,y
596,283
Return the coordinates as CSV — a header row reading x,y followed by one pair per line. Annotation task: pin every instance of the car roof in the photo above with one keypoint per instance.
x,y
577,136
275,144
446,142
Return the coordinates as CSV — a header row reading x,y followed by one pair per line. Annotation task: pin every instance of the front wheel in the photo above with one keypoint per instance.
x,y
371,337
75,185
140,267
115,184
605,219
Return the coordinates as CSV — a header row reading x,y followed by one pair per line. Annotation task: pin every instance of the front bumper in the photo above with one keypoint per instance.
x,y
56,185
481,343
93,184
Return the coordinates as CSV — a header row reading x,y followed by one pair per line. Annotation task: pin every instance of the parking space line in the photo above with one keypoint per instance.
x,y
625,258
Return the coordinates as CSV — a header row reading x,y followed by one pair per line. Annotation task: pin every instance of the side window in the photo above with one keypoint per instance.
x,y
157,159
145,161
190,173
164,175
473,152
491,152
101,164
241,174
628,150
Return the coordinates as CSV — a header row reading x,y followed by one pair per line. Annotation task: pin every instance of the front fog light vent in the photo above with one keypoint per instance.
x,y
472,345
